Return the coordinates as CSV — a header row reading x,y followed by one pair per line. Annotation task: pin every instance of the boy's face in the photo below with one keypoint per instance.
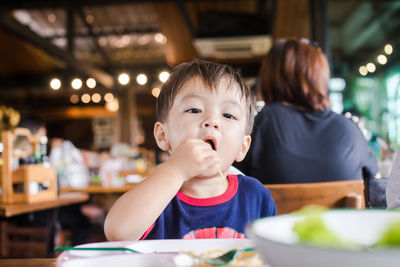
x,y
217,115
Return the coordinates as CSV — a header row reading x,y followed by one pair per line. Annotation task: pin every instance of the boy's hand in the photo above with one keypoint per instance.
x,y
194,158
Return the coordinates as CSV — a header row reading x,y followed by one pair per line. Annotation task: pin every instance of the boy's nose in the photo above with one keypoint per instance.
x,y
211,123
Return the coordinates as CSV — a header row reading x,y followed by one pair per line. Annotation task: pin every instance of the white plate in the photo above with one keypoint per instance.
x,y
75,258
278,244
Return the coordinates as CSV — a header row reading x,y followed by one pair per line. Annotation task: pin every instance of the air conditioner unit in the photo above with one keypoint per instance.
x,y
233,47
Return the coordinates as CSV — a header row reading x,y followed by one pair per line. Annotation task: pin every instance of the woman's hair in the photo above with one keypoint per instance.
x,y
296,72
211,74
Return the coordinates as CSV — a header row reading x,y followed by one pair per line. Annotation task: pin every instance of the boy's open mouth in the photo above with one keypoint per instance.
x,y
211,142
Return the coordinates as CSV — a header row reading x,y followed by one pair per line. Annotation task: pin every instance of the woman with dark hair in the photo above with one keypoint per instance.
x,y
296,137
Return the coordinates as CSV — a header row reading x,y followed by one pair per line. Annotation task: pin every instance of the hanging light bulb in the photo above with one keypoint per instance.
x,y
363,70
123,78
55,84
85,98
91,83
155,92
141,79
76,83
108,97
74,99
163,76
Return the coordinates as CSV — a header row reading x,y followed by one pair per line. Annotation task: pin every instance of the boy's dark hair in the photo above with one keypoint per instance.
x,y
211,74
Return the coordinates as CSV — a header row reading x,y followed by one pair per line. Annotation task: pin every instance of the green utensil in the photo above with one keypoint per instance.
x,y
224,259
99,248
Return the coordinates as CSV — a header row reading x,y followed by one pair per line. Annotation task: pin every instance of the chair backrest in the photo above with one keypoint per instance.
x,y
375,192
338,194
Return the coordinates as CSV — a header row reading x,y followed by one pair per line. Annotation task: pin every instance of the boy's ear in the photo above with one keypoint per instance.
x,y
161,137
244,148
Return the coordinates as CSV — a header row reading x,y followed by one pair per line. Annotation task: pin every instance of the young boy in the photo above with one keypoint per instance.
x,y
204,120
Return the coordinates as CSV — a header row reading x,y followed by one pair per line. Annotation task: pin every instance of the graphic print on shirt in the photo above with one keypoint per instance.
x,y
214,232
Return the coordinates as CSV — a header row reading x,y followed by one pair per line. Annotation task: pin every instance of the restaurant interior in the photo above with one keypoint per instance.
x,y
79,81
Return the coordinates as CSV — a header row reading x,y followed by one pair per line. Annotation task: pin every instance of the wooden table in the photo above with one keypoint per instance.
x,y
98,189
64,199
47,262
100,195
9,210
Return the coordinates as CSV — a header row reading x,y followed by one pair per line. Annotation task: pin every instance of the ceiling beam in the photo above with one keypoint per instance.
x,y
88,112
70,29
95,39
365,23
179,47
292,19
39,4
8,23
106,33
182,9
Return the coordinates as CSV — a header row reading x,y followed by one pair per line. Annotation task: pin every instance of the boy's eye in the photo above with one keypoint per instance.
x,y
193,110
229,116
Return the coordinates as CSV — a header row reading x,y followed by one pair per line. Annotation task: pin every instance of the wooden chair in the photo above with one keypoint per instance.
x,y
292,197
375,192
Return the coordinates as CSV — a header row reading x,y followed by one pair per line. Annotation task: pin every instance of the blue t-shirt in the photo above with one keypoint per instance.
x,y
224,216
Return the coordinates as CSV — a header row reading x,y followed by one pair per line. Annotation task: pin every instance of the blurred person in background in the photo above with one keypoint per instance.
x,y
378,145
297,138
69,217
393,185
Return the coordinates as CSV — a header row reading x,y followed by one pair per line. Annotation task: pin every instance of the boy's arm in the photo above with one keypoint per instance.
x,y
135,211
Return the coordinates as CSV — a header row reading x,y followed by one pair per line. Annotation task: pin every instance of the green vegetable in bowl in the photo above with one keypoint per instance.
x,y
313,230
391,237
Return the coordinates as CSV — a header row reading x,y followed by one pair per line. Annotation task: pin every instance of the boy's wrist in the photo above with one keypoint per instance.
x,y
171,170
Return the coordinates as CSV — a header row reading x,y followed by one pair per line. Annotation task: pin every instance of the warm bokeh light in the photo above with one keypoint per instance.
x,y
139,139
96,98
108,97
123,78
363,70
388,49
141,79
51,18
55,84
76,84
85,98
113,105
163,76
74,99
155,92
382,59
371,67
160,38
91,83
89,19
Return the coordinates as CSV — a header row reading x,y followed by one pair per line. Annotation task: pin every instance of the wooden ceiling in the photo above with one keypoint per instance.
x,y
99,38
22,57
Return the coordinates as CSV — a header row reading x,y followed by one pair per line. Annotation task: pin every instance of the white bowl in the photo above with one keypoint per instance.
x,y
278,244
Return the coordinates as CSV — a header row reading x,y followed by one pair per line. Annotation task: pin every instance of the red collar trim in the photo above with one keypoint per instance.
x,y
228,195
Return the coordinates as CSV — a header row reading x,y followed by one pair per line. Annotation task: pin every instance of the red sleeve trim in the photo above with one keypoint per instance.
x,y
147,232
225,197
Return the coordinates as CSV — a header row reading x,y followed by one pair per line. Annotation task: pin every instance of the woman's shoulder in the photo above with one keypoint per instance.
x,y
272,112
344,123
